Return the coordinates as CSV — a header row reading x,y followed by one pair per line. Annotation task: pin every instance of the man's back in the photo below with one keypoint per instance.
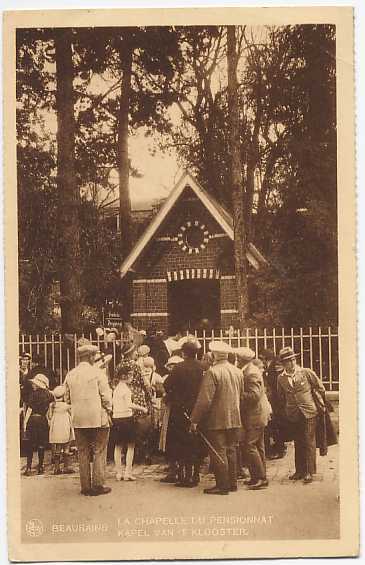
x,y
218,402
89,394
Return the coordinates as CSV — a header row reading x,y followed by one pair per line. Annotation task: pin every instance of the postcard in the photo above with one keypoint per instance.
x,y
180,284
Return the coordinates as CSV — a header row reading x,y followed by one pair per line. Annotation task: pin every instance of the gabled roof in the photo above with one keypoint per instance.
x,y
219,213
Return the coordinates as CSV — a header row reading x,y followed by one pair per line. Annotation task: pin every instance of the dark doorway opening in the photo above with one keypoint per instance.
x,y
193,304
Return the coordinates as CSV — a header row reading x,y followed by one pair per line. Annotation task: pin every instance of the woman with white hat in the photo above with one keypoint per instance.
x,y
36,423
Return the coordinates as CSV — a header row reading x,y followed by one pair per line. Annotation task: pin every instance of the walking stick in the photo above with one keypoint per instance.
x,y
206,440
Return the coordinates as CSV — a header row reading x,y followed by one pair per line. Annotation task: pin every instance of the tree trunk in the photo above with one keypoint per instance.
x,y
236,179
125,215
68,191
125,53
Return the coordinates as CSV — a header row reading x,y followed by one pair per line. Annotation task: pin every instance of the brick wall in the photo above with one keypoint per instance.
x,y
228,294
150,297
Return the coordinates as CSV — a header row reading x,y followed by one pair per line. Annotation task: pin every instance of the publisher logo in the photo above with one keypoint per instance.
x,y
34,528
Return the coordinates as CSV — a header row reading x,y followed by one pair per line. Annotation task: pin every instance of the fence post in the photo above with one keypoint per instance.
x,y
45,351
320,352
301,347
274,340
330,356
311,347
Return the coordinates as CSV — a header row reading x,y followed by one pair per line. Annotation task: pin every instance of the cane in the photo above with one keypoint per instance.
x,y
206,441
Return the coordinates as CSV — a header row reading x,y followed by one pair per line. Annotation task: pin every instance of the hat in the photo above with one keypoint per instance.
x,y
245,353
143,350
189,339
287,353
220,347
149,363
85,346
174,360
59,391
40,380
25,356
172,345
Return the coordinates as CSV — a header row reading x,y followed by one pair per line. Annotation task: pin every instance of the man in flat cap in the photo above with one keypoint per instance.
x,y
296,387
217,412
87,390
255,416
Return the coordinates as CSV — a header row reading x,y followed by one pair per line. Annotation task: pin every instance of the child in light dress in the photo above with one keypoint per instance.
x,y
60,432
123,421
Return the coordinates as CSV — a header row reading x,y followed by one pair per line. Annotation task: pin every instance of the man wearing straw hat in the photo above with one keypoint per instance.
x,y
296,387
88,392
217,411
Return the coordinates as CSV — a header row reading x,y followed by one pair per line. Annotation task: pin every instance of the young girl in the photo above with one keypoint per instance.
x,y
123,421
60,431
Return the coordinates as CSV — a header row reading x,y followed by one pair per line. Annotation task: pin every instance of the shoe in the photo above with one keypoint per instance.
x,y
215,490
119,476
296,476
243,475
233,488
40,470
187,484
129,478
169,479
273,456
27,472
307,478
99,490
86,492
250,482
260,484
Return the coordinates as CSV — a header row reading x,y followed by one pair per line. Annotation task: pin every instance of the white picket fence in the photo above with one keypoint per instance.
x,y
317,347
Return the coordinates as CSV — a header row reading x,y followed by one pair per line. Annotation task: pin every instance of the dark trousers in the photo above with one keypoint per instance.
x,y
255,452
92,446
225,470
274,442
305,445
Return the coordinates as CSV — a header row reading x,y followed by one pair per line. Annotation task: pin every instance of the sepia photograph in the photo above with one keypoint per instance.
x,y
179,233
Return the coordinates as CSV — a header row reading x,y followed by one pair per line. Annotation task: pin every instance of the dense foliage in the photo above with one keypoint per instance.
x,y
287,119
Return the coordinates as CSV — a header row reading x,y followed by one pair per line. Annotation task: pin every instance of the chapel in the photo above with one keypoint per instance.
x,y
182,265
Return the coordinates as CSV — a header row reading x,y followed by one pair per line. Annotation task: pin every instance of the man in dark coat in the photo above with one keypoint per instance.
x,y
274,432
296,387
182,387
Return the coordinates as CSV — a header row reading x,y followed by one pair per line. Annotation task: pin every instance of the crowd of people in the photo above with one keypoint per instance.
x,y
168,397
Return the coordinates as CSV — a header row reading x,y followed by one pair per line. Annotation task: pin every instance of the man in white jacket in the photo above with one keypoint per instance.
x,y
87,390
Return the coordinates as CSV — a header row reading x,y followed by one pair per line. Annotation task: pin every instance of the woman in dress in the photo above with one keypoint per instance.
x,y
141,395
36,423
